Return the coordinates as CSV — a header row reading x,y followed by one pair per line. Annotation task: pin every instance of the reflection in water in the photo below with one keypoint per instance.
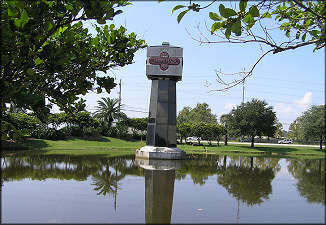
x,y
311,178
246,179
159,186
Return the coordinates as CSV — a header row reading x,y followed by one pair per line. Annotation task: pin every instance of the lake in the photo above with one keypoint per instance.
x,y
200,189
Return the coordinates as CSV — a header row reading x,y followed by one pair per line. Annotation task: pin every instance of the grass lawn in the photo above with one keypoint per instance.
x,y
116,147
238,149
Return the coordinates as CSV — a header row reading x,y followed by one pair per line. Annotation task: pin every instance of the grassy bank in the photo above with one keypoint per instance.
x,y
116,147
246,150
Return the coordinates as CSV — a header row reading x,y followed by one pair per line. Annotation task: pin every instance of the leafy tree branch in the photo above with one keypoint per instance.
x,y
303,23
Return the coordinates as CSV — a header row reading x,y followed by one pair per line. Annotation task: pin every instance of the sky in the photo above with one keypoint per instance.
x,y
290,81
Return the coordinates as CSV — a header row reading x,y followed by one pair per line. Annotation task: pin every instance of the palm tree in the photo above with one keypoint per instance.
x,y
108,110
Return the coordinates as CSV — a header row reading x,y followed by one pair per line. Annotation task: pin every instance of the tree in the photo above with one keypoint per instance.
x,y
198,129
201,113
254,118
46,53
137,124
279,131
184,130
295,129
311,124
183,115
218,131
108,110
303,23
225,120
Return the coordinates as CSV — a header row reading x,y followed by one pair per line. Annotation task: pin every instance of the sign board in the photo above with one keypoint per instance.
x,y
164,61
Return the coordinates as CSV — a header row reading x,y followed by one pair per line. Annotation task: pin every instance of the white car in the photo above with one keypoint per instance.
x,y
193,138
285,141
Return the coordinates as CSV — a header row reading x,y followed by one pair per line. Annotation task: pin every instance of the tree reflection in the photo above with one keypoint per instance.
x,y
248,181
311,178
245,178
106,182
199,167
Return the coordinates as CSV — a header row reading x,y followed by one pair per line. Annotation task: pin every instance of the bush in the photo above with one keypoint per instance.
x,y
75,131
78,131
91,132
48,133
139,136
20,120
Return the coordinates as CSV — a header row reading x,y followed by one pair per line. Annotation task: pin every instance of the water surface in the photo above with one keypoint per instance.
x,y
200,189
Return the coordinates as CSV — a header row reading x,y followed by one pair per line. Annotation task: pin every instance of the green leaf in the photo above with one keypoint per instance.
x,y
216,26
254,11
100,21
304,37
17,23
24,19
228,31
230,12
38,61
214,16
222,11
249,20
243,5
30,72
226,12
181,15
236,28
12,12
266,15
314,33
48,25
177,7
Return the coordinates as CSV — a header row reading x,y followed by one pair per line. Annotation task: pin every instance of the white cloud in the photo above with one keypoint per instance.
x,y
286,114
229,106
227,109
305,102
281,108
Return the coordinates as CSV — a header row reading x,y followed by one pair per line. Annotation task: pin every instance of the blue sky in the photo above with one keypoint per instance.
x,y
290,81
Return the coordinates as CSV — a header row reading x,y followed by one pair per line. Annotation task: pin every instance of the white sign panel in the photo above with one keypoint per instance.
x,y
164,61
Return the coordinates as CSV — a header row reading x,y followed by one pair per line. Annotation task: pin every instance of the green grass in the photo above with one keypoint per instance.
x,y
116,147
76,146
238,149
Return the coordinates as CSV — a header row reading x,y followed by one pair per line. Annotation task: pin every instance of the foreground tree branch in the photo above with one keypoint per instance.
x,y
303,23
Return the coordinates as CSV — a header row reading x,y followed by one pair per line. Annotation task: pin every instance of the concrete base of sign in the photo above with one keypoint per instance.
x,y
158,164
151,152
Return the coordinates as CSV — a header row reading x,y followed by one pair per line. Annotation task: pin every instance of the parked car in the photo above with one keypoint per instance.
x,y
285,141
193,138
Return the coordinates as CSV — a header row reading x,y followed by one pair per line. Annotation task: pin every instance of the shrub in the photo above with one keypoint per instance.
x,y
20,120
48,133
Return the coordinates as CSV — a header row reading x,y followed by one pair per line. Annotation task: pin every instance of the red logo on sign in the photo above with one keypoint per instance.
x,y
164,61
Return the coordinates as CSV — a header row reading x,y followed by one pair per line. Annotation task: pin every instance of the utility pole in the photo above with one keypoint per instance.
x,y
243,89
119,99
243,84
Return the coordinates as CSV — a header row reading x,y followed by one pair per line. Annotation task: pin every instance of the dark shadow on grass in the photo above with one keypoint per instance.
x,y
24,144
285,150
97,139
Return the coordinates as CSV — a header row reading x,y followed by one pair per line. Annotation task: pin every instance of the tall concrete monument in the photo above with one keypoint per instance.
x,y
164,67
